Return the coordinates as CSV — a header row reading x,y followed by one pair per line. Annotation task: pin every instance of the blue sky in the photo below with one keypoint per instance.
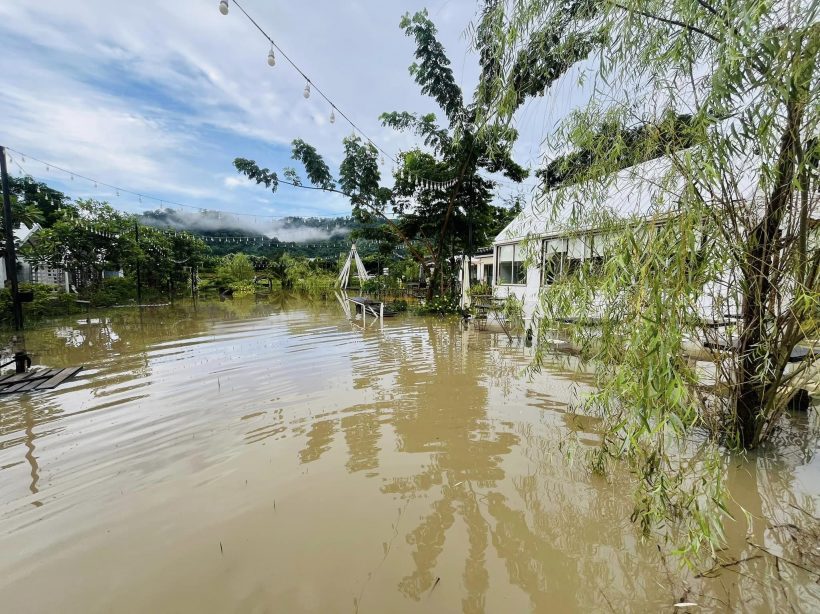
x,y
159,97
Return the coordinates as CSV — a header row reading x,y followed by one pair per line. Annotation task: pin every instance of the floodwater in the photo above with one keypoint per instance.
x,y
274,457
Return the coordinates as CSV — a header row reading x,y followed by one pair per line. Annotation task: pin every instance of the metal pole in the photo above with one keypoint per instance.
x,y
11,255
139,276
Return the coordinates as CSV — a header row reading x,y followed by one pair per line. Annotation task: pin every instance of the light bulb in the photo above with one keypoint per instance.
x,y
271,57
223,7
332,116
306,93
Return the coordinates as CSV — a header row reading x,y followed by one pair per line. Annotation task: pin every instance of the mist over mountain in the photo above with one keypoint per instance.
x,y
285,230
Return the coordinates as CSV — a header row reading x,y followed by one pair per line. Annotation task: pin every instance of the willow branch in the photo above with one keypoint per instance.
x,y
672,22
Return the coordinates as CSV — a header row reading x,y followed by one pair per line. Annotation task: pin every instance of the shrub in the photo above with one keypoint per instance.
x,y
114,291
380,284
234,268
315,285
243,288
439,305
480,289
399,305
49,302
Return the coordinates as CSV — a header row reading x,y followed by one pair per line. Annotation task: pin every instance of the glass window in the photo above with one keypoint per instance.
x,y
511,268
488,274
578,249
555,255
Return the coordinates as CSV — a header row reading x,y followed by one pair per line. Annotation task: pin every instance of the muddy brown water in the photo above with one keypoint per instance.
x,y
273,457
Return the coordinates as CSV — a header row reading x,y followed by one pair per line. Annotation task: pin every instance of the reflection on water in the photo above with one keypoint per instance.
x,y
270,456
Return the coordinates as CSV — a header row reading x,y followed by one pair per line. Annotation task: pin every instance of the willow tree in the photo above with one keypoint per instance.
x,y
723,255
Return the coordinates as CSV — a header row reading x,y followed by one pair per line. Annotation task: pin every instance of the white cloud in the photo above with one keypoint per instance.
x,y
160,97
237,182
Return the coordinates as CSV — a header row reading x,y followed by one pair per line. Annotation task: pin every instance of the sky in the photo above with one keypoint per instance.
x,y
159,97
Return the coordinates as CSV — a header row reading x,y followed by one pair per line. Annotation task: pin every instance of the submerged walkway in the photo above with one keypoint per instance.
x,y
42,379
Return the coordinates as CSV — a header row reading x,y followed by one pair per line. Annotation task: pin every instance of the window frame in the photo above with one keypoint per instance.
x,y
488,270
515,261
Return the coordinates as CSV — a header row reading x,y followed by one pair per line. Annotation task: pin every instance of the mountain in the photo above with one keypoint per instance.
x,y
225,233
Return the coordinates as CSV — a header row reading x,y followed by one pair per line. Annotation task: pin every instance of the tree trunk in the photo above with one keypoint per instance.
x,y
757,377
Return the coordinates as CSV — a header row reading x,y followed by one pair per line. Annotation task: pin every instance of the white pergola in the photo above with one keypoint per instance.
x,y
344,276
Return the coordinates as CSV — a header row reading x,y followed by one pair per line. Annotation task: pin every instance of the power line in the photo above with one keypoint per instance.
x,y
171,203
162,201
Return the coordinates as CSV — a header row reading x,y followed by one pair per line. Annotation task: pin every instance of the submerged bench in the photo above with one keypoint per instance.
x,y
373,306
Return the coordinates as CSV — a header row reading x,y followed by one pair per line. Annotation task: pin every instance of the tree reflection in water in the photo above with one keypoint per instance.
x,y
563,537
434,401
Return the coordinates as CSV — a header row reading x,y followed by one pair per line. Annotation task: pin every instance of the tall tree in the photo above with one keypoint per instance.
x,y
433,221
459,150
33,202
90,236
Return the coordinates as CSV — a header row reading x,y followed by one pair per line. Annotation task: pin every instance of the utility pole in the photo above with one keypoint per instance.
x,y
11,254
139,276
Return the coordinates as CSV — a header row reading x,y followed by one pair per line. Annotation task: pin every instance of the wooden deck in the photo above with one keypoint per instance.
x,y
40,379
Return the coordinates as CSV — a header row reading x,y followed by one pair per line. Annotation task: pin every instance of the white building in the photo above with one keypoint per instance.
x,y
541,244
28,273
482,265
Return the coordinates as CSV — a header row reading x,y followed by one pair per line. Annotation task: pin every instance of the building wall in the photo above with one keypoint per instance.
x,y
23,271
48,276
481,262
715,303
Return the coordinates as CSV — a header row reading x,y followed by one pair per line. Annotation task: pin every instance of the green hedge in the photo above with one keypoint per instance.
x,y
49,302
114,291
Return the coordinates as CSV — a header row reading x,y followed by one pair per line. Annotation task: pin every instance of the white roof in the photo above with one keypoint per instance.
x,y
651,188
23,234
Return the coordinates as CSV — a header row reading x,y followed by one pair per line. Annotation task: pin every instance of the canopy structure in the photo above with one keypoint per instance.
x,y
344,276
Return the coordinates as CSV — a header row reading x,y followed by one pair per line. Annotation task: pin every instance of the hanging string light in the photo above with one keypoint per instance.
x,y
224,7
